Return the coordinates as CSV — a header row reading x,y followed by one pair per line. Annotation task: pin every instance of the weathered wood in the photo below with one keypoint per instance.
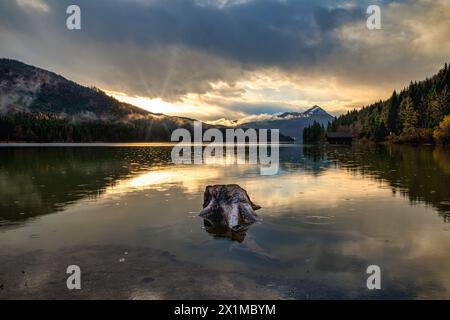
x,y
232,203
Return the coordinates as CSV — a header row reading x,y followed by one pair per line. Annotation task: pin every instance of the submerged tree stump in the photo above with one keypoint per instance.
x,y
231,203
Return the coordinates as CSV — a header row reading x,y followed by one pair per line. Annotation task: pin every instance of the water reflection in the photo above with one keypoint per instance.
x,y
36,181
421,174
327,215
218,228
39,181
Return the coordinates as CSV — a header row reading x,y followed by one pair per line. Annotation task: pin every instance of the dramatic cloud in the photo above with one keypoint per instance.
x,y
214,59
33,4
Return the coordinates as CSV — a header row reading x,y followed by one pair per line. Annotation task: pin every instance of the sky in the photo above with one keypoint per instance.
x,y
220,60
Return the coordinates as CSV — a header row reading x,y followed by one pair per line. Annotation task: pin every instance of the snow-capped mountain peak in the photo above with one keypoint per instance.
x,y
316,111
313,111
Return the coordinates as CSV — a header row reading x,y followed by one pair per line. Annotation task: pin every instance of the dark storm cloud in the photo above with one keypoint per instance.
x,y
329,19
267,32
255,32
168,48
259,108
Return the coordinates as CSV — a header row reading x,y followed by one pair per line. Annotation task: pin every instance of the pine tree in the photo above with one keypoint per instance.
x,y
409,115
393,113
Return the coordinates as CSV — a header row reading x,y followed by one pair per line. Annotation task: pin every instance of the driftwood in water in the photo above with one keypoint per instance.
x,y
230,202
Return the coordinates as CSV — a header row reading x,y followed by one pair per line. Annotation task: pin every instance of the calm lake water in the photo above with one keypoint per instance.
x,y
129,219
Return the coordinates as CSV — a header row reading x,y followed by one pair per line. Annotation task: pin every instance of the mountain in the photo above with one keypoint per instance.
x,y
313,111
292,123
37,105
419,113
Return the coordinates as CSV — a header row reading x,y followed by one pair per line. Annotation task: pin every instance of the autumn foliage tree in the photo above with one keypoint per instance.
x,y
442,132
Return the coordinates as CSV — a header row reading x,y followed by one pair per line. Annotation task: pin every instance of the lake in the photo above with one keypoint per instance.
x,y
128,218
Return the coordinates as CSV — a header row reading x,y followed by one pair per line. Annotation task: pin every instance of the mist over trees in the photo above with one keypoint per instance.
x,y
44,127
37,105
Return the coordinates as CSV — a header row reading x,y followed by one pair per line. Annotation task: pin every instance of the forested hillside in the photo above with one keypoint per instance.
x,y
315,133
416,114
41,106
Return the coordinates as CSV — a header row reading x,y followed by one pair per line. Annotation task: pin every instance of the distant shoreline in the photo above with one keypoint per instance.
x,y
119,144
